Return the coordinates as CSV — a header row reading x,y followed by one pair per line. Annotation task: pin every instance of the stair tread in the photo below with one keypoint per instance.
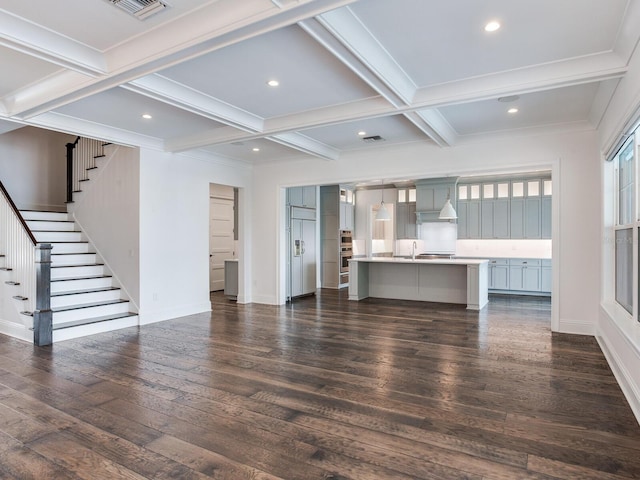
x,y
88,305
88,321
86,277
71,253
88,290
75,266
47,220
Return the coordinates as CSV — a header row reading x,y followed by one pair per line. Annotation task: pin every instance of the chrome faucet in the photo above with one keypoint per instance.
x,y
413,250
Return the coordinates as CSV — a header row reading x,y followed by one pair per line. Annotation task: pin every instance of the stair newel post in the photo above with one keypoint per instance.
x,y
42,315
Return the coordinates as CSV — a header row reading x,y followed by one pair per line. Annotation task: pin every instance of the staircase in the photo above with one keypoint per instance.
x,y
84,297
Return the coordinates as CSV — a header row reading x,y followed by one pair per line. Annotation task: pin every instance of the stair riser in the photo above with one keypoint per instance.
x,y
70,248
80,259
85,284
52,237
51,226
81,298
93,328
52,216
89,312
73,272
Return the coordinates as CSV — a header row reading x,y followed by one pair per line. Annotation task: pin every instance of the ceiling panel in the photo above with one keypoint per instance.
x,y
24,70
269,151
96,23
563,105
393,129
123,109
442,41
309,76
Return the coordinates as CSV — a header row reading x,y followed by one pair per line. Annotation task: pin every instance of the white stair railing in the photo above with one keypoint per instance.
x,y
28,266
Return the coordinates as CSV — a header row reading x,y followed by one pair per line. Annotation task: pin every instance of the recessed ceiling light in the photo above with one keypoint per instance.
x,y
146,116
255,149
492,26
273,83
512,110
362,133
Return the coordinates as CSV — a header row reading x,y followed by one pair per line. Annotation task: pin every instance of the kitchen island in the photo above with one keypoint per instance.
x,y
452,280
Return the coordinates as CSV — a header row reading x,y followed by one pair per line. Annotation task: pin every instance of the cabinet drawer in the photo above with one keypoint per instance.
x,y
525,262
547,262
498,261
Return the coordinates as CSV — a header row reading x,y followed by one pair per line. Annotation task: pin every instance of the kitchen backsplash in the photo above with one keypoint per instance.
x,y
504,248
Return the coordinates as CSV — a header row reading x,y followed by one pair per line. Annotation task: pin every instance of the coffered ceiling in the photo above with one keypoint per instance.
x,y
406,71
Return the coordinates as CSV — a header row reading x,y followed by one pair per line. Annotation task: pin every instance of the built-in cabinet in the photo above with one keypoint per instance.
x,y
302,196
337,215
503,209
531,275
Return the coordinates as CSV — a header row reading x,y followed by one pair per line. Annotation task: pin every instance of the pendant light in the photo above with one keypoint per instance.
x,y
448,212
383,213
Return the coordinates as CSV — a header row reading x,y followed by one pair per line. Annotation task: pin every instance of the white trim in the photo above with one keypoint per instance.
x,y
148,317
16,330
615,335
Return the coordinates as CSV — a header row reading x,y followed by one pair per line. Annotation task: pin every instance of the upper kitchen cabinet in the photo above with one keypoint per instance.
x,y
469,211
406,214
495,210
302,196
517,208
431,195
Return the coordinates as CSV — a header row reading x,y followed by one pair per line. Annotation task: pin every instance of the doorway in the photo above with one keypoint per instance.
x,y
222,232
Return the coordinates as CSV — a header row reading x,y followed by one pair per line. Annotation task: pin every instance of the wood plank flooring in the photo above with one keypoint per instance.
x,y
322,388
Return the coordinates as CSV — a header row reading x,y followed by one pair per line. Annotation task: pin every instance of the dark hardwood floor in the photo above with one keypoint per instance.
x,y
323,388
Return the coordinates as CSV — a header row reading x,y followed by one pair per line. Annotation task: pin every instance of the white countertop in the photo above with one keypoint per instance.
x,y
434,261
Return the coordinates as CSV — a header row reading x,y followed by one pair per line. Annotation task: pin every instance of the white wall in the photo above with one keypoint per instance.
x,y
33,167
617,333
174,232
107,211
572,157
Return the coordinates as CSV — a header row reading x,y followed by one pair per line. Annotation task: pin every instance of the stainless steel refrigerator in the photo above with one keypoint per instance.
x,y
303,252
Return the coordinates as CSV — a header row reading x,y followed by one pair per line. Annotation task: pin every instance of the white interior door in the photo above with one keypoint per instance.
x,y
221,227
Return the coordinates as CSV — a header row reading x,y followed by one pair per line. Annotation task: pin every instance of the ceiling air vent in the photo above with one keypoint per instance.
x,y
373,138
140,9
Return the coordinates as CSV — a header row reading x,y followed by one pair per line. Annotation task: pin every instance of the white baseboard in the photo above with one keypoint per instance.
x,y
623,356
265,299
148,317
15,330
576,327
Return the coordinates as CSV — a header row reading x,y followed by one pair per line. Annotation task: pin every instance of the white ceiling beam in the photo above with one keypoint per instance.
x,y
222,135
345,26
31,39
575,71
434,125
173,93
320,33
75,126
307,145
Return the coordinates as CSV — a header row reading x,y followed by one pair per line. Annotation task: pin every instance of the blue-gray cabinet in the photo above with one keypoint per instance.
x,y
525,274
495,218
499,274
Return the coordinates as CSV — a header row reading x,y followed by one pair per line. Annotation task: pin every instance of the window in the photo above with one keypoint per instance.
x,y
517,189
626,225
626,184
